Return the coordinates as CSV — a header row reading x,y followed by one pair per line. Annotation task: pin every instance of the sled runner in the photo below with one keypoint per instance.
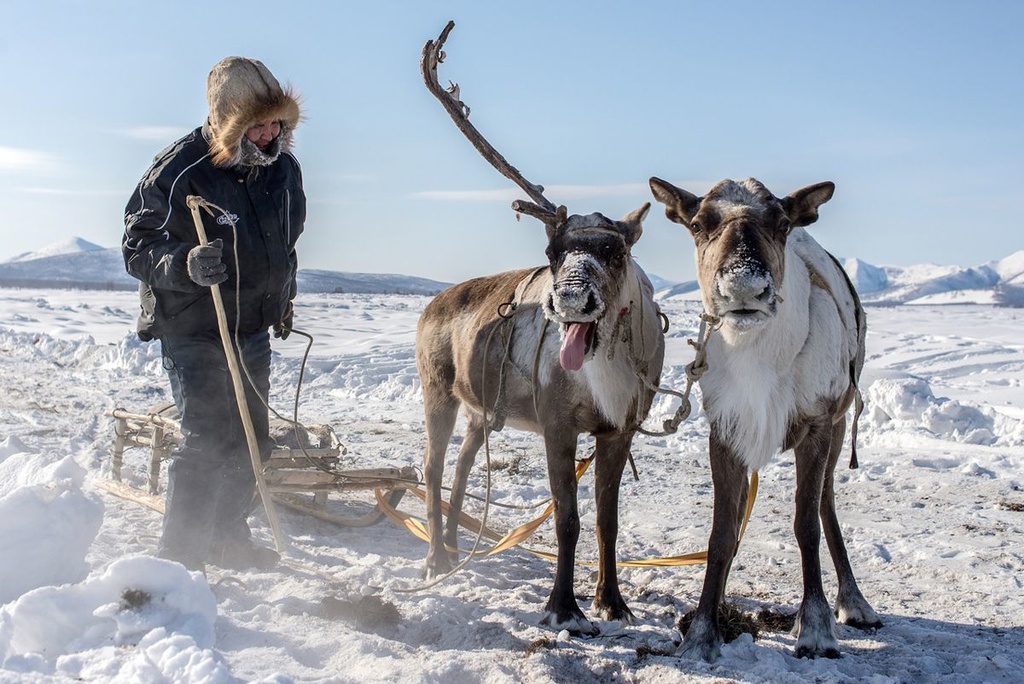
x,y
301,473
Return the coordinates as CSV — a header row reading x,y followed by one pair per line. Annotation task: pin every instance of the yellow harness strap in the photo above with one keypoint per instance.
x,y
520,534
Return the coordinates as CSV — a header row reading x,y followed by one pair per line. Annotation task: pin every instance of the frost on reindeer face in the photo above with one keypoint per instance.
x,y
577,304
587,267
744,294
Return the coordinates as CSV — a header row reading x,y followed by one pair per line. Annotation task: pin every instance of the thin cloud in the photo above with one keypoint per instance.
x,y
164,134
555,193
66,192
467,195
20,160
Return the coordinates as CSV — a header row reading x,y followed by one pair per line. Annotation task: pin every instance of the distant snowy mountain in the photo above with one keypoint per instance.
x,y
73,245
89,269
77,263
688,289
917,282
865,277
1010,269
658,282
366,283
80,264
997,282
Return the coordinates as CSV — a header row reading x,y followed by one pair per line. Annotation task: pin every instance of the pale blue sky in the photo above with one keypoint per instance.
x,y
914,109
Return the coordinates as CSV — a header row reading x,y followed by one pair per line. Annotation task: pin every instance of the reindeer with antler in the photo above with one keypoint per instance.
x,y
567,349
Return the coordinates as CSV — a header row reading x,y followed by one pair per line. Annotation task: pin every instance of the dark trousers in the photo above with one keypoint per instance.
x,y
211,486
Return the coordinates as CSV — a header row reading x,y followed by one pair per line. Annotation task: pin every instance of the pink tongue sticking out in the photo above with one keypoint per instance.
x,y
574,346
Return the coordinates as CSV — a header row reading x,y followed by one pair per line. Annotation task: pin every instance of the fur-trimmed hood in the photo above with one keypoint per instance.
x,y
242,92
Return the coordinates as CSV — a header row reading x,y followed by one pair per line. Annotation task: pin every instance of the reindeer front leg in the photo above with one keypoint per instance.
x,y
609,461
703,639
562,611
815,627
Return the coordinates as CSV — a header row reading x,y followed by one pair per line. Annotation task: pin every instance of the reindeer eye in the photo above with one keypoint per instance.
x,y
696,227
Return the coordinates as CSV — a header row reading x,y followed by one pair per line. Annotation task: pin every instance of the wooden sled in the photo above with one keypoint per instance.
x,y
301,473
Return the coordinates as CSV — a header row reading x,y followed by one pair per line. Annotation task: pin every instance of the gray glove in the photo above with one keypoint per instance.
x,y
283,328
205,266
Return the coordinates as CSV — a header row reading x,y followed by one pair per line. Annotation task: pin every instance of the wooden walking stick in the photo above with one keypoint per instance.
x,y
194,203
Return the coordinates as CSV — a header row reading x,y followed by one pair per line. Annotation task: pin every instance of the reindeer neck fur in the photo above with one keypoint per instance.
x,y
761,380
634,348
750,389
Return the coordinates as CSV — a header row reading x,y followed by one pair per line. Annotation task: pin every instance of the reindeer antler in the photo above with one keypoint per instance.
x,y
540,208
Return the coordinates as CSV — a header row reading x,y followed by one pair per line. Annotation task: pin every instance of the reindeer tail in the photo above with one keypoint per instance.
x,y
858,408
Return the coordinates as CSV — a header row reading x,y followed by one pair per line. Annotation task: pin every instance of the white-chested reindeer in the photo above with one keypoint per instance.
x,y
562,350
782,372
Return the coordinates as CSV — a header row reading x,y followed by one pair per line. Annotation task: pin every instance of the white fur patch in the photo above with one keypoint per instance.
x,y
750,402
610,380
761,377
611,385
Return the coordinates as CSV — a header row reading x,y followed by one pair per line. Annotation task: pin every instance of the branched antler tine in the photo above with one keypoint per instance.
x,y
431,57
551,218
531,209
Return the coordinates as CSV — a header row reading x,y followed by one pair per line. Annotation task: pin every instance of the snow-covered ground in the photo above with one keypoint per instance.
x,y
934,520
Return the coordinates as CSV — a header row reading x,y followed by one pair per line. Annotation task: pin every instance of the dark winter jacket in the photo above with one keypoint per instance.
x,y
268,208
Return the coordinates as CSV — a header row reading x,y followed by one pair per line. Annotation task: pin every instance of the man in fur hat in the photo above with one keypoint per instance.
x,y
239,160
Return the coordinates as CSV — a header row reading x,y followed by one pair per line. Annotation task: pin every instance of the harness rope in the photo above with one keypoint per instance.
x,y
515,537
232,353
694,370
519,534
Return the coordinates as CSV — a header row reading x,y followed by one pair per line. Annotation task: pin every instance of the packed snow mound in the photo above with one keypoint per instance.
x,y
42,493
155,614
907,403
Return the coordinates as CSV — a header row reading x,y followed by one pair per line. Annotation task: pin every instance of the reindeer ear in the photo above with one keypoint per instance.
x,y
633,223
802,206
680,205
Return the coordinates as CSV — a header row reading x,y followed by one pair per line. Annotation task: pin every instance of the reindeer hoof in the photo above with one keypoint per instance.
x,y
702,642
614,613
865,625
859,615
706,651
816,643
576,625
811,652
436,567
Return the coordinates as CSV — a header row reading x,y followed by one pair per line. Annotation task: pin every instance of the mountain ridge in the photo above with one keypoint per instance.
x,y
78,263
90,268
